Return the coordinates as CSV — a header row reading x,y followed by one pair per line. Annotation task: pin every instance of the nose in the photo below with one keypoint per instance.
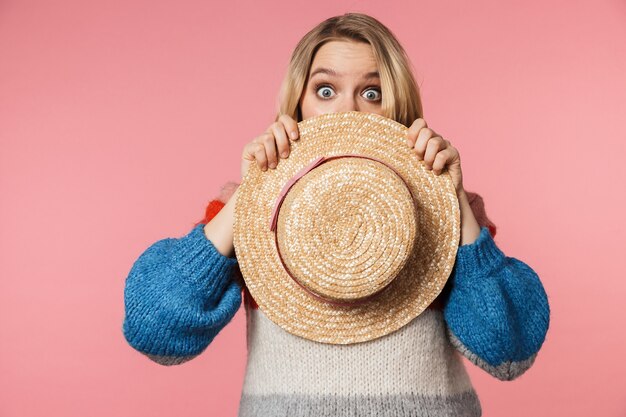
x,y
348,104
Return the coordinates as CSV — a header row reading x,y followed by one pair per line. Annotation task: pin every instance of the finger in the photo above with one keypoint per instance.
x,y
441,159
282,141
411,135
258,150
434,145
422,141
269,141
261,157
291,126
255,151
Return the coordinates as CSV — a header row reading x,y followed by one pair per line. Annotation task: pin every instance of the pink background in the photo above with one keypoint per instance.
x,y
119,121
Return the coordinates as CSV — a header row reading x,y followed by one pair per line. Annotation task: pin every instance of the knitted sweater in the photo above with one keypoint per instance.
x,y
494,311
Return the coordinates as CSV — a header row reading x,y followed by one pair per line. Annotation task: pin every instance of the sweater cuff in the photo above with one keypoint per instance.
x,y
202,264
479,258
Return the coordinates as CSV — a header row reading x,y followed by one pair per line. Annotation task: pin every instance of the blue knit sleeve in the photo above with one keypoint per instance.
x,y
179,294
497,312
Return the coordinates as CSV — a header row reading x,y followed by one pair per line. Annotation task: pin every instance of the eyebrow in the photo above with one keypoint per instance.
x,y
328,71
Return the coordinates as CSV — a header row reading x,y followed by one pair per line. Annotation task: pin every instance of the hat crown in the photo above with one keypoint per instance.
x,y
355,216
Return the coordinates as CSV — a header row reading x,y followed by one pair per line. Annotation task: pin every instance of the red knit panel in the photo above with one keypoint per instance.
x,y
211,210
478,209
248,300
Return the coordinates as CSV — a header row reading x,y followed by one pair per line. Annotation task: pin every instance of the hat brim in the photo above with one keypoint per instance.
x,y
419,282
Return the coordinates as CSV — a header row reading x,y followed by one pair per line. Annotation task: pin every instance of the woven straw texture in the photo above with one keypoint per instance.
x,y
377,243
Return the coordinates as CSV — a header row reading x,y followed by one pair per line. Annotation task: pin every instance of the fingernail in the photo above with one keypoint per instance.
x,y
284,154
294,135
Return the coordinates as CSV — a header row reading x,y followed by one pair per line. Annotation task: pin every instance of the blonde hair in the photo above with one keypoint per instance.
x,y
400,94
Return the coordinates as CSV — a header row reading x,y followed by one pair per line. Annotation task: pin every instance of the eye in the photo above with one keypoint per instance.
x,y
372,94
326,91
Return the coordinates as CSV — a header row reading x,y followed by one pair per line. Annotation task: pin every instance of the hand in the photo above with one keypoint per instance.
x,y
438,154
269,146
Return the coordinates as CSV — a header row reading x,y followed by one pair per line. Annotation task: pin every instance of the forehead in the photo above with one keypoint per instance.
x,y
345,57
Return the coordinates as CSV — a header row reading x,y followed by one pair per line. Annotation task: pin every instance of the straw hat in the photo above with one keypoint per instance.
x,y
350,237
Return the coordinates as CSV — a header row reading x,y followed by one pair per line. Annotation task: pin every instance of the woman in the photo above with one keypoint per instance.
x,y
494,310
